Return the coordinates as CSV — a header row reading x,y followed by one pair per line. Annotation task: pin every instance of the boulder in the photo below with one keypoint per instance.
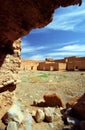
x,y
12,126
53,100
6,101
40,116
48,114
25,126
15,114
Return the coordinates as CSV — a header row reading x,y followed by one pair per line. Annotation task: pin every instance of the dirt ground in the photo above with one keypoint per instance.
x,y
34,84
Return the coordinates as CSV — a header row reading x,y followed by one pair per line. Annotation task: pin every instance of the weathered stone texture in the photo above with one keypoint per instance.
x,y
9,67
10,64
18,17
6,100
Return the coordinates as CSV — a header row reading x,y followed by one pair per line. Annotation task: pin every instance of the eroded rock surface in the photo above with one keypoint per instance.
x,y
18,17
9,65
6,100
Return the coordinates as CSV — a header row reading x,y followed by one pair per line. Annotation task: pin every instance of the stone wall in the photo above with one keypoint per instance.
x,y
9,67
10,64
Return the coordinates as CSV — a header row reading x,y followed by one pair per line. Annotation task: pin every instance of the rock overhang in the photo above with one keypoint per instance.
x,y
18,18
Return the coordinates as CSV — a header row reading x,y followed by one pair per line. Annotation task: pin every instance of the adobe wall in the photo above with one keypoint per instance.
x,y
48,66
70,66
80,59
29,64
60,61
69,63
80,65
62,66
76,65
71,59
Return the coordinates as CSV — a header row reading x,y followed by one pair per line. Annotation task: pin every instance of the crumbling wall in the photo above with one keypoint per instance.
x,y
9,68
29,64
76,65
48,66
41,66
80,59
10,64
60,61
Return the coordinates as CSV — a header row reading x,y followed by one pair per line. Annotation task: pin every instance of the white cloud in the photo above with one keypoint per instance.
x,y
69,50
65,54
26,47
69,18
75,47
37,57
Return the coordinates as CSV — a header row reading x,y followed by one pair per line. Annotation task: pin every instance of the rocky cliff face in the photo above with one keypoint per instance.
x,y
17,18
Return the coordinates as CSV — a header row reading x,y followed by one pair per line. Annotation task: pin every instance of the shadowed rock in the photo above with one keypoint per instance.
x,y
79,107
53,100
17,18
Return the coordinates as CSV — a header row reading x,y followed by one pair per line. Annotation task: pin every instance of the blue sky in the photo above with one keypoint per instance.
x,y
63,37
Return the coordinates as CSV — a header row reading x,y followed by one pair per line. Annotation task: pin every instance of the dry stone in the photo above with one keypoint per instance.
x,y
11,65
6,101
15,114
40,116
53,100
48,114
12,126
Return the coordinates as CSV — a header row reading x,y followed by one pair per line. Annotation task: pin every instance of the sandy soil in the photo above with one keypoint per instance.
x,y
37,83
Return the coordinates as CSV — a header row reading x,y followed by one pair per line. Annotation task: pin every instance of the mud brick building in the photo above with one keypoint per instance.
x,y
75,63
68,63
